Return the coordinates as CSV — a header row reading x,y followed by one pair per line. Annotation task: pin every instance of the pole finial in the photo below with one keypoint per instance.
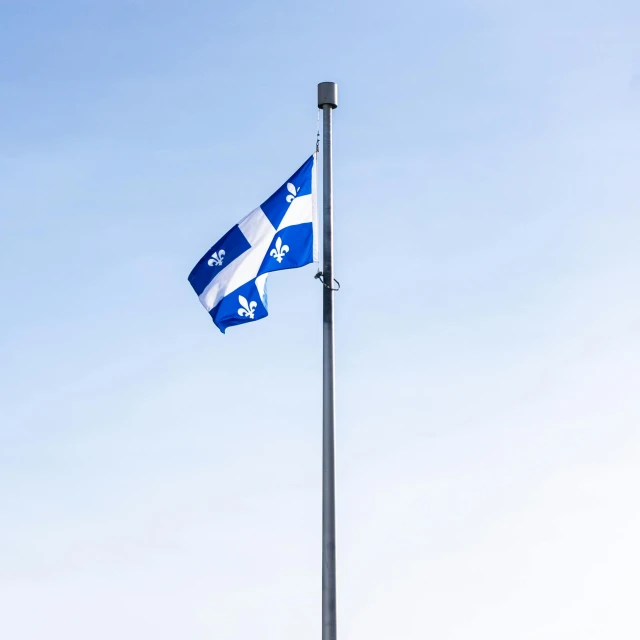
x,y
327,94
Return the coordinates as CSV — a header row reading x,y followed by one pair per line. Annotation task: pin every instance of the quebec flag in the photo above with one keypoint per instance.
x,y
230,279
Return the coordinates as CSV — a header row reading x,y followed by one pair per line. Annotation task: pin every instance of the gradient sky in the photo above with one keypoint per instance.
x,y
161,480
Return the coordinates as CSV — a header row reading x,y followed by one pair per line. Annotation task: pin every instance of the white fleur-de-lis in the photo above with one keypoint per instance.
x,y
279,251
216,258
293,192
247,308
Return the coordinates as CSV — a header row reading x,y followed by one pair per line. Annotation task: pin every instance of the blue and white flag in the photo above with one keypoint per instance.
x,y
230,279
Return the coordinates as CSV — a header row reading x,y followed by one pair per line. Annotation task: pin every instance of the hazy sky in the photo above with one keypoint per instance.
x,y
161,480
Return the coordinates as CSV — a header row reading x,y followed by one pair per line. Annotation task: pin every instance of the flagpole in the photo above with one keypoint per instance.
x,y
327,101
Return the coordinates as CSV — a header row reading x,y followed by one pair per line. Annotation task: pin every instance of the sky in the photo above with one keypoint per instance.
x,y
159,479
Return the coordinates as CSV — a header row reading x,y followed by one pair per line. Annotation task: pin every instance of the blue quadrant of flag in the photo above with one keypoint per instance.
x,y
230,279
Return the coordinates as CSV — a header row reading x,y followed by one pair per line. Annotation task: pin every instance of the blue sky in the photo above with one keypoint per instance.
x,y
160,479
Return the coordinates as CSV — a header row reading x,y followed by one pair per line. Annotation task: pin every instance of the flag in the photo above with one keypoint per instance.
x,y
231,278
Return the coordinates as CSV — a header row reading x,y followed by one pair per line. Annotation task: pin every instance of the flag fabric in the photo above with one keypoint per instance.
x,y
231,278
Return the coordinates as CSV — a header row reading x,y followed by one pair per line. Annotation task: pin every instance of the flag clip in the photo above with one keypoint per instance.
x,y
320,276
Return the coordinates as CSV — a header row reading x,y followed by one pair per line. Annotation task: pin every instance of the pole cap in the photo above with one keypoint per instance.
x,y
327,94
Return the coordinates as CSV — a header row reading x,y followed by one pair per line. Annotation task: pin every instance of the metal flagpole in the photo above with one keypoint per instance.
x,y
327,101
